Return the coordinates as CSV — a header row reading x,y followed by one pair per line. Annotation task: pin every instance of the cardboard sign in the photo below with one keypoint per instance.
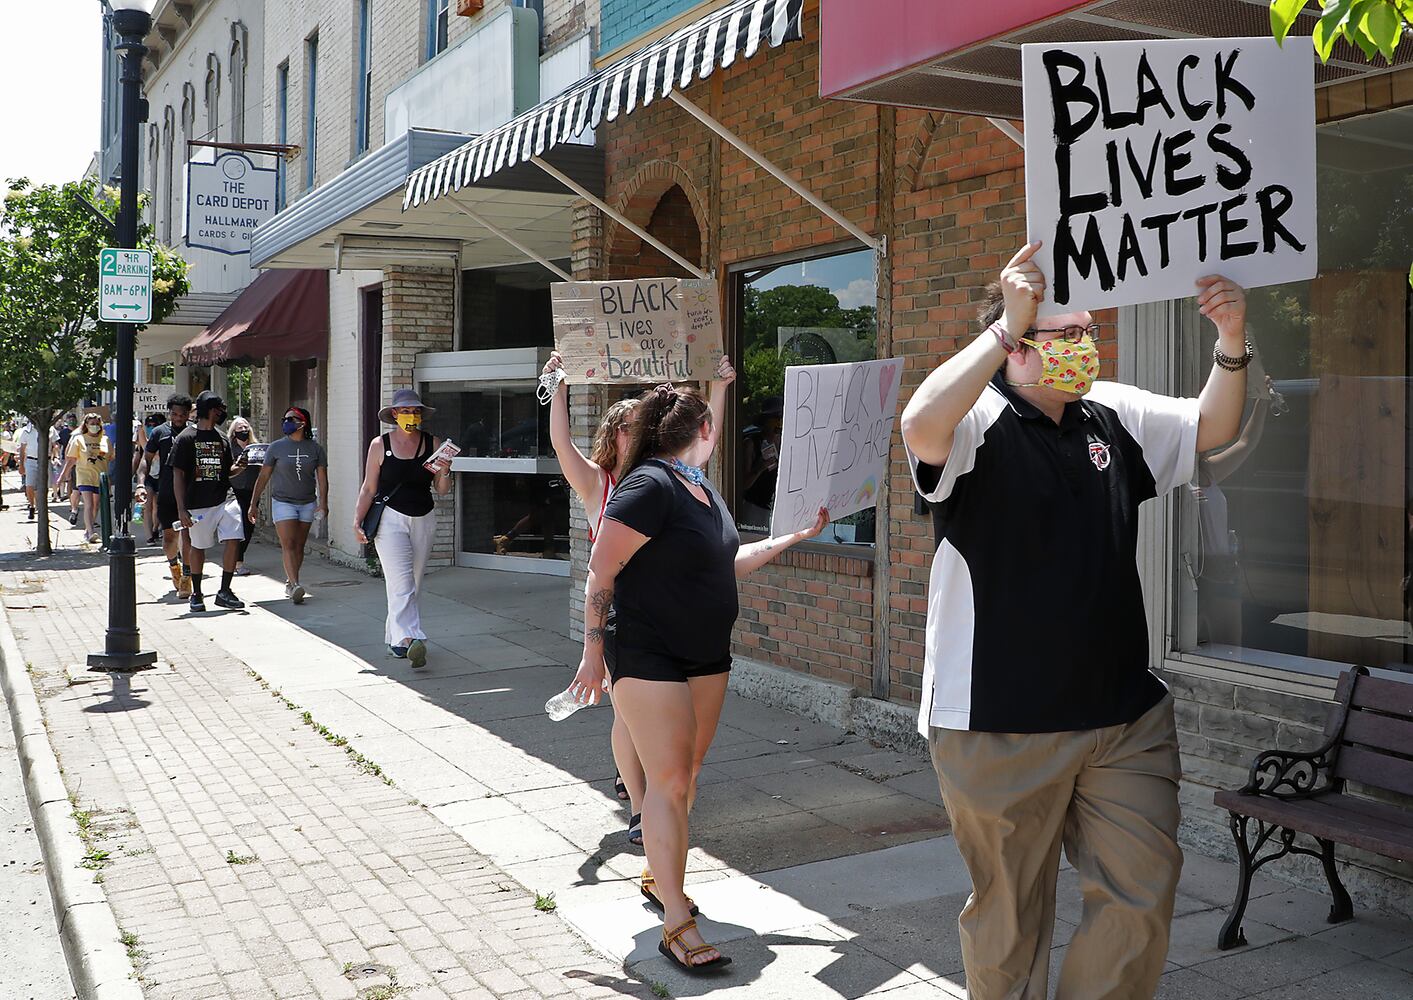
x,y
834,441
1150,164
648,330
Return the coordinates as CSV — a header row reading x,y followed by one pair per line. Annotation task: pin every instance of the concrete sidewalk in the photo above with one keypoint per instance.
x,y
822,862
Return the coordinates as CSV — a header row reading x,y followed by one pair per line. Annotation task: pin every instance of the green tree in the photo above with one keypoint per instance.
x,y
54,352
1376,27
767,310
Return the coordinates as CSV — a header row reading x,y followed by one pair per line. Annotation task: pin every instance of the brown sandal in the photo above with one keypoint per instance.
x,y
646,888
674,937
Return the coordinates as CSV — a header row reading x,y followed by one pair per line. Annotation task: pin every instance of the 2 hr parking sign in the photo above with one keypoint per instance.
x,y
124,285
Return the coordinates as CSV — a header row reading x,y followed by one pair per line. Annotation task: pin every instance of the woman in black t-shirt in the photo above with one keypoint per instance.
x,y
666,560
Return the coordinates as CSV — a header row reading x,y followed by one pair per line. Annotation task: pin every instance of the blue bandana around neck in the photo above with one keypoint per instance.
x,y
692,473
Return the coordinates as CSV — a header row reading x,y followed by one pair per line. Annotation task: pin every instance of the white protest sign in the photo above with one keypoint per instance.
x,y
225,201
834,440
149,398
1150,164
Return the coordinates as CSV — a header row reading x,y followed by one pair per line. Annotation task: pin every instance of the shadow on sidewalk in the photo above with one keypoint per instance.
x,y
777,791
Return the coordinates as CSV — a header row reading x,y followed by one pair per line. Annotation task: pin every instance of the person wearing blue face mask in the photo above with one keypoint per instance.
x,y
299,469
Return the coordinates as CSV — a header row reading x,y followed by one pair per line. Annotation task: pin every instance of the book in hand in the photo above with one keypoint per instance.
x,y
447,452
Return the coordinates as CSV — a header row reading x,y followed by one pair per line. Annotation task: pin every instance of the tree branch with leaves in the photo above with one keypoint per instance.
x,y
54,352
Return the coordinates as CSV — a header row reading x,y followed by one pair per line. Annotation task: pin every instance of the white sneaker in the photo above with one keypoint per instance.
x,y
295,593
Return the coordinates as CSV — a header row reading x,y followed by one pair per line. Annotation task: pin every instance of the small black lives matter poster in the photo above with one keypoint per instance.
x,y
1150,164
643,330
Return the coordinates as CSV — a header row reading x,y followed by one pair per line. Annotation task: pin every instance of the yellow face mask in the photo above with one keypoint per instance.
x,y
1067,367
408,421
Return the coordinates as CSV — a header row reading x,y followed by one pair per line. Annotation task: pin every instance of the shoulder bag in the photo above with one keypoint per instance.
x,y
374,515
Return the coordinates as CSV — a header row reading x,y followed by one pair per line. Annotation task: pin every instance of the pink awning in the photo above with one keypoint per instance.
x,y
965,56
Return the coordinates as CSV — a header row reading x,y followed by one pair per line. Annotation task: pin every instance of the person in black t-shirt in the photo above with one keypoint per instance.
x,y
1046,727
156,459
151,484
202,462
666,561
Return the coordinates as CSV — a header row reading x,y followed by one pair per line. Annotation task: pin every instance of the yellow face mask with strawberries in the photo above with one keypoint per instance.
x,y
408,421
1069,366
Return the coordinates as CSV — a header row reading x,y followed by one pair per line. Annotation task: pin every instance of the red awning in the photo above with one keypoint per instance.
x,y
281,314
965,56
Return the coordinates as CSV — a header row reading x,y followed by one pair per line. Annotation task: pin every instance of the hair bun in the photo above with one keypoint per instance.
x,y
667,393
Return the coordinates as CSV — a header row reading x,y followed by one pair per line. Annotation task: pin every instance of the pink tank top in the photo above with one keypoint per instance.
x,y
598,523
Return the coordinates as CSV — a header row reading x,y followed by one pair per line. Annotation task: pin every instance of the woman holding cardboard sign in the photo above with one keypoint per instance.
x,y
667,559
593,479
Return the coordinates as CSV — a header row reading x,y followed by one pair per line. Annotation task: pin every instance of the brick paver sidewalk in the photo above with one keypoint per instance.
x,y
247,854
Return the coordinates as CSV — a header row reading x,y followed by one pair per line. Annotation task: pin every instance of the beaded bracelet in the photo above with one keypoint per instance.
x,y
1228,363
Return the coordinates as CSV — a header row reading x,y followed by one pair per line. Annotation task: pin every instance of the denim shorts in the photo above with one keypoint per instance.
x,y
281,511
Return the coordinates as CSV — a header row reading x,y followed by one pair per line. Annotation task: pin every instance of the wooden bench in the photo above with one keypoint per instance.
x,y
1369,740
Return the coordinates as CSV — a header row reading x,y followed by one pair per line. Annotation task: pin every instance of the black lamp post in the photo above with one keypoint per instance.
x,y
122,652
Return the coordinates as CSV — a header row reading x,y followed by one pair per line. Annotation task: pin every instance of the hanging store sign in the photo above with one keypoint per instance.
x,y
834,441
1150,164
646,330
226,201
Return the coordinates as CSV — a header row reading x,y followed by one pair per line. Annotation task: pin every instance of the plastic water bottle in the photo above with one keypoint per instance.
x,y
563,705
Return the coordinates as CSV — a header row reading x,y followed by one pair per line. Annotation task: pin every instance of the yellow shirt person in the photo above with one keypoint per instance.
x,y
90,454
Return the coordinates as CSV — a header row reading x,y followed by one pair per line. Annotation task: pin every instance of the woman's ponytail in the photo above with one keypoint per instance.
x,y
668,418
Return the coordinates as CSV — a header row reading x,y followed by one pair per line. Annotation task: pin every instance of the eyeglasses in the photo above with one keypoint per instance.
x,y
1071,334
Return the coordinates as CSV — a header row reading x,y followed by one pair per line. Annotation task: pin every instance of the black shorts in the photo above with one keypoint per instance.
x,y
654,666
167,515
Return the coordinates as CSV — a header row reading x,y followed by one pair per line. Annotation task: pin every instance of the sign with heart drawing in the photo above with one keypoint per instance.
x,y
834,444
647,330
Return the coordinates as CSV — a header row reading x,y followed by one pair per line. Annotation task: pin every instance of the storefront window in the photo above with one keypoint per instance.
x,y
811,312
490,419
506,307
1296,538
524,515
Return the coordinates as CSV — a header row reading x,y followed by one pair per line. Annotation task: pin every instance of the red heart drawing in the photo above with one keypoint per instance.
x,y
886,375
590,373
691,338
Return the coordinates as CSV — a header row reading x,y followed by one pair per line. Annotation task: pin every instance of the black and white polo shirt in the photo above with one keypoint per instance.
x,y
1035,619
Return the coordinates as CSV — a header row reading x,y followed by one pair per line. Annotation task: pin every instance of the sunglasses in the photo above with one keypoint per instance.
x,y
1070,334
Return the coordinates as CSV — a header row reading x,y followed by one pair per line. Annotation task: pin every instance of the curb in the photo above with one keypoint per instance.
x,y
98,964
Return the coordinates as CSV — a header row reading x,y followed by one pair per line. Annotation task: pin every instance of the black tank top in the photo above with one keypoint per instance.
x,y
415,496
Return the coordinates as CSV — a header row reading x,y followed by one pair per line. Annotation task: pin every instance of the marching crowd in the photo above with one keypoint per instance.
x,y
1034,470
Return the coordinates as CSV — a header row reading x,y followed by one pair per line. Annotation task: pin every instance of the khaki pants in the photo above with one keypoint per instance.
x,y
1109,796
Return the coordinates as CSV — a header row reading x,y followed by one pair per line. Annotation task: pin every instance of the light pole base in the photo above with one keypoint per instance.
x,y
121,663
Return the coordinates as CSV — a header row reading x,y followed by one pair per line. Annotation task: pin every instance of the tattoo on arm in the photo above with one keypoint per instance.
x,y
602,602
595,635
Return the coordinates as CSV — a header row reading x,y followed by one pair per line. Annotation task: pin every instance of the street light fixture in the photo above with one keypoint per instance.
x,y
122,653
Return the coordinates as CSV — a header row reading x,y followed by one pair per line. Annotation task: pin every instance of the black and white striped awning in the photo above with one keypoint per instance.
x,y
672,63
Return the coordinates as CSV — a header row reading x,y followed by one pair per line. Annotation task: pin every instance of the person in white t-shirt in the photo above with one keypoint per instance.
x,y
32,463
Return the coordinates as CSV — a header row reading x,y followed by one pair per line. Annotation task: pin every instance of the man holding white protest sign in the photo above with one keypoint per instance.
x,y
1148,168
1045,725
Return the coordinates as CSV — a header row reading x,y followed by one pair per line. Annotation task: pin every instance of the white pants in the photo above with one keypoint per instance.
x,y
404,544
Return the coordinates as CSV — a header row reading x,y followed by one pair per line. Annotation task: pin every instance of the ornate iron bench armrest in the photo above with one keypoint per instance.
x,y
1288,774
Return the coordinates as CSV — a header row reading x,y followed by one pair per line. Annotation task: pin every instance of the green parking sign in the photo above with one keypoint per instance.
x,y
124,285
